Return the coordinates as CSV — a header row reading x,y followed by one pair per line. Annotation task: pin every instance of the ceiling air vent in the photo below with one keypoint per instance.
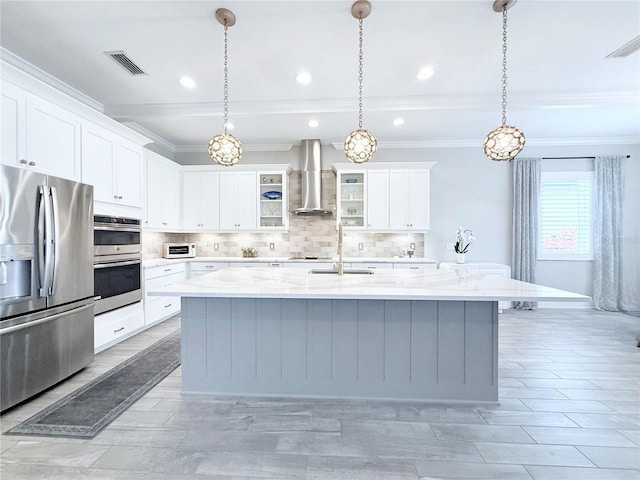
x,y
126,62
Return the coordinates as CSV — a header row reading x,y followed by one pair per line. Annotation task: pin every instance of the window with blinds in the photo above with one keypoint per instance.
x,y
565,216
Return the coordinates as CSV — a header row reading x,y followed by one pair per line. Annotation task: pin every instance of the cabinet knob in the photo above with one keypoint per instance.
x,y
23,161
33,164
119,197
118,330
164,223
167,306
115,196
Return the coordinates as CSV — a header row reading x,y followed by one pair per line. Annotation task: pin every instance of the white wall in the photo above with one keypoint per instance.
x,y
471,191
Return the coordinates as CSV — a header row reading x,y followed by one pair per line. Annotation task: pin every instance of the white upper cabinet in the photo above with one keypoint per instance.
x,y
351,201
273,200
238,200
200,200
384,197
113,166
163,193
13,128
39,135
378,200
409,203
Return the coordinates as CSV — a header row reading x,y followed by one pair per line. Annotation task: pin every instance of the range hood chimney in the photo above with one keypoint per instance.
x,y
311,180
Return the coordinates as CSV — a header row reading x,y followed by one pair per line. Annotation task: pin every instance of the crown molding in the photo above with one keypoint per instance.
x,y
256,147
151,136
17,62
577,141
531,142
517,101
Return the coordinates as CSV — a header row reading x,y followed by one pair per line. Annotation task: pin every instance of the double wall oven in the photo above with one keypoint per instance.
x,y
116,262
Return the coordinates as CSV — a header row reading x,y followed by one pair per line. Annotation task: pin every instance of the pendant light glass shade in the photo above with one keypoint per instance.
x,y
361,144
506,141
224,148
503,143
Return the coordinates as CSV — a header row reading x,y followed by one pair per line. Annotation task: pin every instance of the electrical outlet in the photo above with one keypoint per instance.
x,y
450,246
360,246
216,246
272,246
412,246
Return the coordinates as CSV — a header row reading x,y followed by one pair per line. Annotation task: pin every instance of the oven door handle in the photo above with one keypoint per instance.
x,y
116,264
117,229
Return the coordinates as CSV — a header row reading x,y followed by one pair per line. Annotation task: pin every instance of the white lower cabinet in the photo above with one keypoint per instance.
x,y
157,308
202,268
114,326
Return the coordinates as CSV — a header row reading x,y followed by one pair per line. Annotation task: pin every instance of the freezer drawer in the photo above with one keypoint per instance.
x,y
39,353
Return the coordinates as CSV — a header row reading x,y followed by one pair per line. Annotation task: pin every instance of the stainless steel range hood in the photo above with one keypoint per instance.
x,y
311,180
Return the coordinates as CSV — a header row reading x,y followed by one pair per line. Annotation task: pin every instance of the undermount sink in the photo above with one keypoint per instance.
x,y
346,271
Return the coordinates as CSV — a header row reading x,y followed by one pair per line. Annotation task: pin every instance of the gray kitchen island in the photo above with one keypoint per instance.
x,y
430,335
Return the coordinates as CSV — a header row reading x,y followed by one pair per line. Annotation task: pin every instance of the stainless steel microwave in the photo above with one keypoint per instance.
x,y
178,250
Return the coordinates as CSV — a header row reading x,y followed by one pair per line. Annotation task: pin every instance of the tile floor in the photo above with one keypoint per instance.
x,y
570,409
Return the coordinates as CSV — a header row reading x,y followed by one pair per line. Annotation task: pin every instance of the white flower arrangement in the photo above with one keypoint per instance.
x,y
465,238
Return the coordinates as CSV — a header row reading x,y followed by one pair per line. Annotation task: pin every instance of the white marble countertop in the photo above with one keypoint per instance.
x,y
382,285
156,262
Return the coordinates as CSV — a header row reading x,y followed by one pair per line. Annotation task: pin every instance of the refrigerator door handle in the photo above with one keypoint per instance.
x,y
46,277
55,240
42,240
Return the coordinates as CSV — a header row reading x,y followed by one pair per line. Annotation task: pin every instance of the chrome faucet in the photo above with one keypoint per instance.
x,y
340,265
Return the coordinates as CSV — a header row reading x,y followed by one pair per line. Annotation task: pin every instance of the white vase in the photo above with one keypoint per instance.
x,y
460,257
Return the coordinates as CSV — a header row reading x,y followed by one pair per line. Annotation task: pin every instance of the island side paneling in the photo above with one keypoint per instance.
x,y
390,349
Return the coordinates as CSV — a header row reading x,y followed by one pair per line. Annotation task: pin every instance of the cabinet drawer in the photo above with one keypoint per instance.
x,y
160,308
112,326
373,266
414,266
160,282
161,270
200,268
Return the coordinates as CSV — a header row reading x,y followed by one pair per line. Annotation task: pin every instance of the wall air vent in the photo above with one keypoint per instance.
x,y
626,49
121,57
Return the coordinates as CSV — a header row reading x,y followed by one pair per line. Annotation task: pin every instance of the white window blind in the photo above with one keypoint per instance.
x,y
565,216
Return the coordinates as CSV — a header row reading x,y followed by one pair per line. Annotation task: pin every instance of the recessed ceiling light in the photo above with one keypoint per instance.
x,y
425,73
187,82
398,121
229,125
303,77
313,123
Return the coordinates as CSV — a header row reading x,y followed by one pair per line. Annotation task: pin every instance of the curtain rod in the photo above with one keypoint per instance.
x,y
572,158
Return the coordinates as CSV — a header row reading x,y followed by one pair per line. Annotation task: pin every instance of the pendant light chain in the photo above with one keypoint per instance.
x,y
226,80
360,144
224,148
506,141
504,66
360,74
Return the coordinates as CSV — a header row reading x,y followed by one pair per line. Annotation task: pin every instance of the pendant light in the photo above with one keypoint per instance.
x,y
224,148
360,145
506,141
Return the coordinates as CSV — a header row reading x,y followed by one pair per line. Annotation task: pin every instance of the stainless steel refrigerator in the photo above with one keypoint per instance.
x,y
46,282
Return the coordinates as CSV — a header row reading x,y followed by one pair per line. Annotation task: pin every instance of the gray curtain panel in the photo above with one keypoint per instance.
x,y
526,191
615,272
